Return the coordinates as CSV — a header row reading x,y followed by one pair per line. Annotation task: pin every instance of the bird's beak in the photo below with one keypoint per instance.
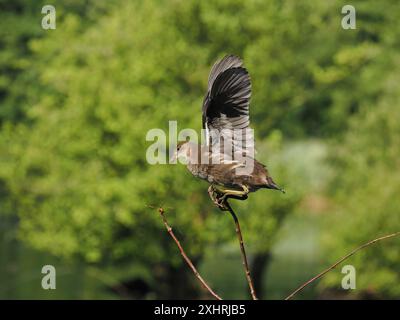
x,y
273,185
276,187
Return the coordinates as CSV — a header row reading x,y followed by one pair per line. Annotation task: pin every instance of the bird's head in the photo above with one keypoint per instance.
x,y
183,151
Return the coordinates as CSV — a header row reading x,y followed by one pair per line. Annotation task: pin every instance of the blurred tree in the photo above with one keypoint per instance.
x,y
366,193
76,172
366,157
82,191
20,22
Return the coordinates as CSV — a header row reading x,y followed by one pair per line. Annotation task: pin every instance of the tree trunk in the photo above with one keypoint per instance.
x,y
176,282
258,271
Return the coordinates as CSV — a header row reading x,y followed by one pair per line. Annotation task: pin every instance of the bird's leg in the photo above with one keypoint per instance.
x,y
225,194
235,194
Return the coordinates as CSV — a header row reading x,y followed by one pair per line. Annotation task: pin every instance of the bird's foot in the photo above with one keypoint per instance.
x,y
221,203
220,197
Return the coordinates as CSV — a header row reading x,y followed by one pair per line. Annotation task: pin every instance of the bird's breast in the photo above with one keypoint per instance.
x,y
200,171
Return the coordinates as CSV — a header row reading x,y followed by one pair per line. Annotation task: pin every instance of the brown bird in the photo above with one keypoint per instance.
x,y
227,161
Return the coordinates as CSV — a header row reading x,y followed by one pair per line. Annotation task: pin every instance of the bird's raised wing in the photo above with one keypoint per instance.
x,y
226,104
228,62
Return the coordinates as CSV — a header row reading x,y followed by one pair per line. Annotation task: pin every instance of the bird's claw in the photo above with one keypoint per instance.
x,y
221,203
218,198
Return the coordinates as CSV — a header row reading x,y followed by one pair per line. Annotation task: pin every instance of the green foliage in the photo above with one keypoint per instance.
x,y
20,22
366,192
17,26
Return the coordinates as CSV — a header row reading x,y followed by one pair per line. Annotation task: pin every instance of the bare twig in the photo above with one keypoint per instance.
x,y
340,261
242,250
185,257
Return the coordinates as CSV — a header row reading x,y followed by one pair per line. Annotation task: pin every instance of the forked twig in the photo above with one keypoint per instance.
x,y
242,250
340,261
185,257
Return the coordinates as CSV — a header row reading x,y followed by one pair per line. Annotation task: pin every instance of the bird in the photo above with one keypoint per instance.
x,y
226,161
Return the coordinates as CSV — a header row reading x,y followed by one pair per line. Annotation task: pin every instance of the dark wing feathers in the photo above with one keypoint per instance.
x,y
226,105
229,61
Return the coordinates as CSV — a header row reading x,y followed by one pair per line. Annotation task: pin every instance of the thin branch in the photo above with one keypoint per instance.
x,y
340,261
242,250
185,257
